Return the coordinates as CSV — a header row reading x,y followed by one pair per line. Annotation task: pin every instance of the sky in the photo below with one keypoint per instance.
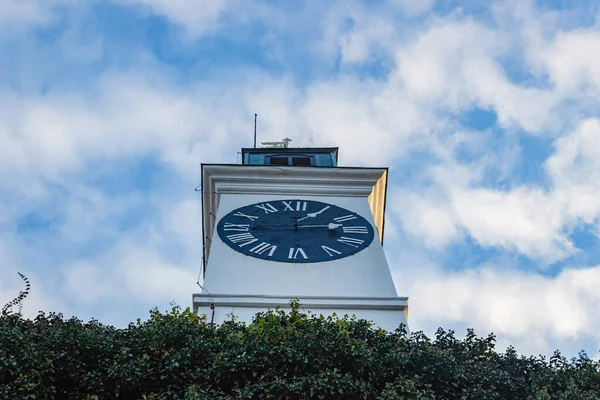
x,y
487,114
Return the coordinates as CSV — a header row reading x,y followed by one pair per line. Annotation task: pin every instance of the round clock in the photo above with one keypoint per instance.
x,y
300,231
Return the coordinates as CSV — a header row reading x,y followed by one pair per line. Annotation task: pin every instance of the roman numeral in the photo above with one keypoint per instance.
x,y
242,238
236,227
350,241
267,208
300,206
240,214
294,253
263,247
331,251
345,218
355,229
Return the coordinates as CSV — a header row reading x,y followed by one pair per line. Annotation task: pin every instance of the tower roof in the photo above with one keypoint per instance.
x,y
298,156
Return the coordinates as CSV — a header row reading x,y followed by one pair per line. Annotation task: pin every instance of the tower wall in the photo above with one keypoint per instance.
x,y
360,284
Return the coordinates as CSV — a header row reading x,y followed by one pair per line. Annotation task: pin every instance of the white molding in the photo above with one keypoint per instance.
x,y
262,302
341,302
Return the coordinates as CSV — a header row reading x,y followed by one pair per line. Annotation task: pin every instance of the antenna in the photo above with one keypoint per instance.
x,y
255,130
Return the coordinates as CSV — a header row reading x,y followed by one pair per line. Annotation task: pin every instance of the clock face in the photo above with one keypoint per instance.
x,y
295,231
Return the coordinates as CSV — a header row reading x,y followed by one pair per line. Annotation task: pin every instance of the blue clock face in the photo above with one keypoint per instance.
x,y
295,231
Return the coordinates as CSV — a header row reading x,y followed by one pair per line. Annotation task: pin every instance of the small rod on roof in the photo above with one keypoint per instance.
x,y
255,130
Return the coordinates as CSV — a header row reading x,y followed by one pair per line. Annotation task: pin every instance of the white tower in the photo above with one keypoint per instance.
x,y
288,224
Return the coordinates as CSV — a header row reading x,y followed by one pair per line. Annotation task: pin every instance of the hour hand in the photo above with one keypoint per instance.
x,y
314,214
311,215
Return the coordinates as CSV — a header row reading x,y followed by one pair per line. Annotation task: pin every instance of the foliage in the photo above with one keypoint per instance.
x,y
178,355
17,301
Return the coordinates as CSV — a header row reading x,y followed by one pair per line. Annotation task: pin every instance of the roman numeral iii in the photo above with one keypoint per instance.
x,y
355,229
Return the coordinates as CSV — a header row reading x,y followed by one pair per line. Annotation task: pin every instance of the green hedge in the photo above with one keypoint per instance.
x,y
177,355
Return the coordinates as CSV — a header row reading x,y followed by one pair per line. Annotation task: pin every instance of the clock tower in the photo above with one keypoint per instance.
x,y
289,223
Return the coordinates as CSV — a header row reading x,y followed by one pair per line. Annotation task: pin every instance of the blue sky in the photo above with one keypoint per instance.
x,y
485,112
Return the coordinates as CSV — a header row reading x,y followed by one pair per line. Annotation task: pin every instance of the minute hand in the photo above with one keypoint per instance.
x,y
330,226
312,215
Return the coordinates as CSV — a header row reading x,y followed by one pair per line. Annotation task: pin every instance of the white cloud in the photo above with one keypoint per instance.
x,y
197,16
49,135
575,161
22,11
359,44
421,218
530,311
530,220
413,8
16,15
455,65
360,34
185,220
524,219
151,279
90,213
370,123
89,283
572,62
130,273
432,67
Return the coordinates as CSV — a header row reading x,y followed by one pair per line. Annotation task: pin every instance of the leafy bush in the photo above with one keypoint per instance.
x,y
178,355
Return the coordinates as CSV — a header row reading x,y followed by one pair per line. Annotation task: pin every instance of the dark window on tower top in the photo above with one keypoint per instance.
x,y
299,160
278,161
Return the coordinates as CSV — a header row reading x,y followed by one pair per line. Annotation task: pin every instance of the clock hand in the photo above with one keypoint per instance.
x,y
312,215
330,226
271,227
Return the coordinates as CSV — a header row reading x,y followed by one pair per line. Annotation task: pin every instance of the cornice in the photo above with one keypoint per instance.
x,y
313,302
